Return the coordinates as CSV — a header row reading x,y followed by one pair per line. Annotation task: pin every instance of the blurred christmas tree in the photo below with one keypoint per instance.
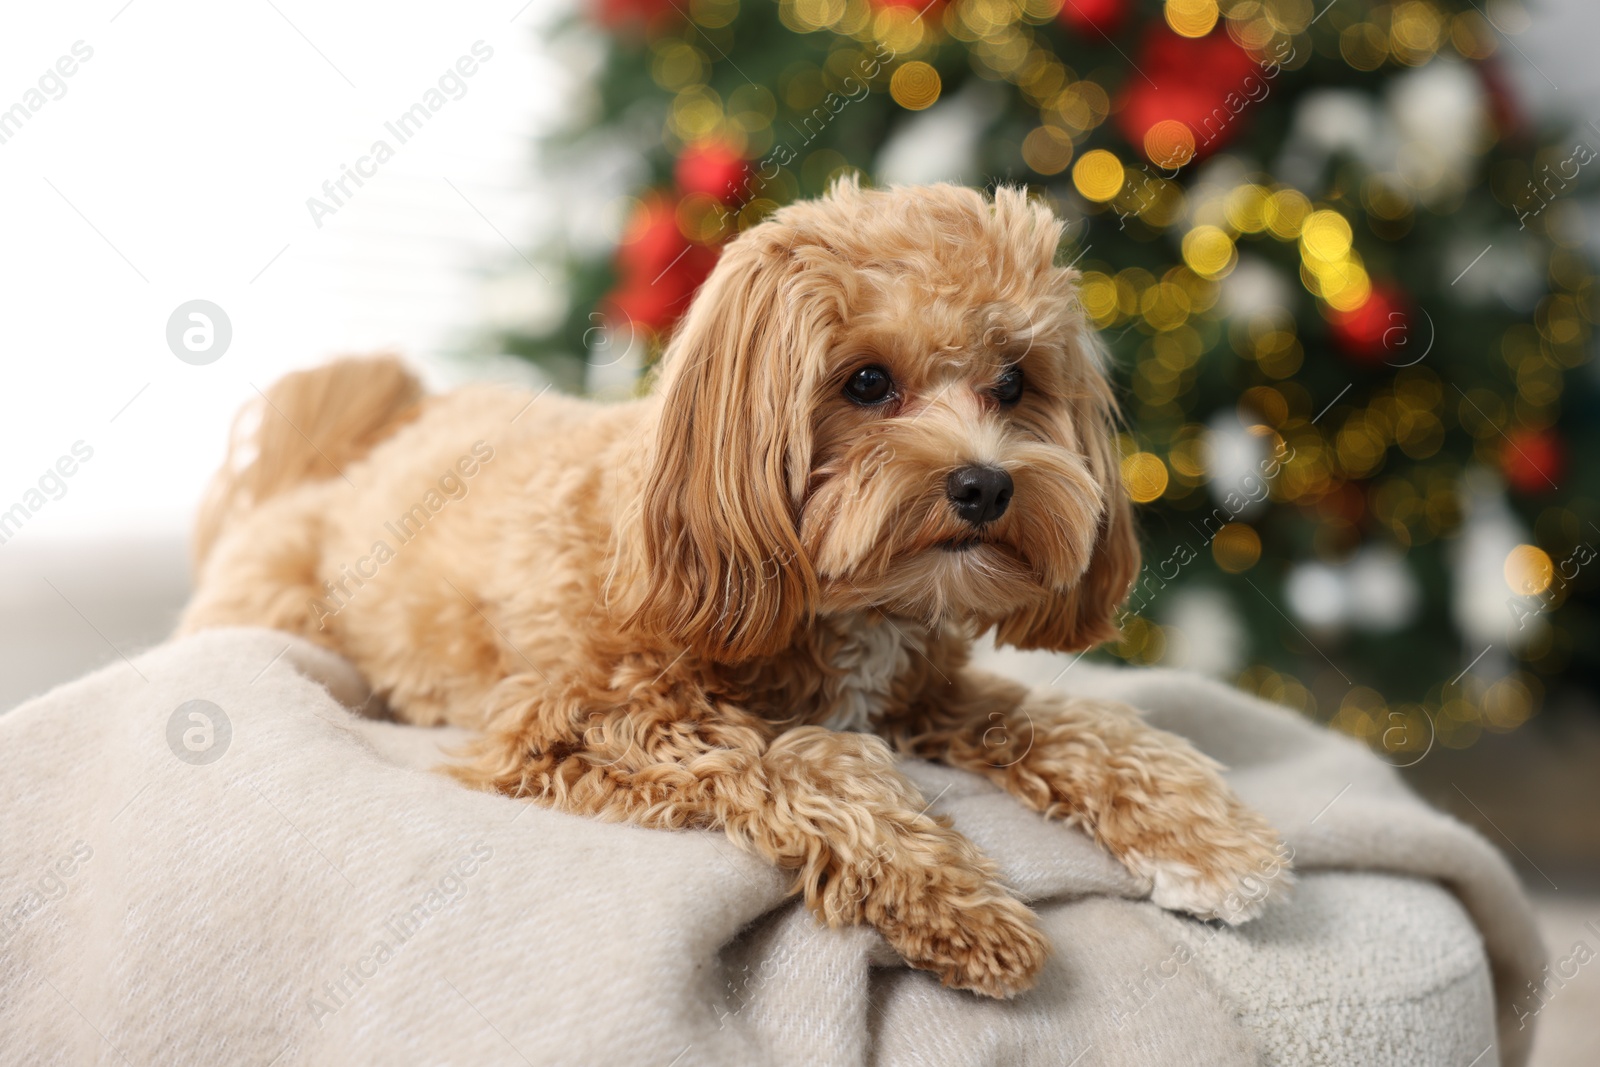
x,y
1341,274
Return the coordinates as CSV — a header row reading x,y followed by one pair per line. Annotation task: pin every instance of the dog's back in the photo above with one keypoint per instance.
x,y
404,531
307,426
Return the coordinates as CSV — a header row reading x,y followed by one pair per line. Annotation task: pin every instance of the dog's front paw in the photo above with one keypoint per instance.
x,y
1215,868
993,947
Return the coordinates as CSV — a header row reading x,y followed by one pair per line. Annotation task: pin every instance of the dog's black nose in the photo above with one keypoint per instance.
x,y
979,494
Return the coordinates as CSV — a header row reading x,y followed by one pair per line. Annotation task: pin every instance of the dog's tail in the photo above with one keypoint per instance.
x,y
308,426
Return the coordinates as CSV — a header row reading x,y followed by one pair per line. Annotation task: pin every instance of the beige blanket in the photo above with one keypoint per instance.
x,y
205,858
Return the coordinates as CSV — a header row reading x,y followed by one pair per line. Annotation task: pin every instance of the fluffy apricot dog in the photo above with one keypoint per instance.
x,y
882,429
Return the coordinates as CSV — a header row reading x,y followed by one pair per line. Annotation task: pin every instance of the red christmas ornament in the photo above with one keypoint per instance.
x,y
657,306
1533,460
652,240
648,15
1206,83
1379,331
711,168
658,268
1094,16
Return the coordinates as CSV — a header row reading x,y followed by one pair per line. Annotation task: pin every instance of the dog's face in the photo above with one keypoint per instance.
x,y
891,401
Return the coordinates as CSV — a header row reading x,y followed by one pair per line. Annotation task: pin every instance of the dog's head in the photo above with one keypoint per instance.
x,y
886,400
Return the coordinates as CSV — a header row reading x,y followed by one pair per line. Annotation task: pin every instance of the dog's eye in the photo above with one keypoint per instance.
x,y
1008,390
869,385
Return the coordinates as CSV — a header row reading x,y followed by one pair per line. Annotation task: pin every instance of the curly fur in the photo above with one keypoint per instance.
x,y
654,611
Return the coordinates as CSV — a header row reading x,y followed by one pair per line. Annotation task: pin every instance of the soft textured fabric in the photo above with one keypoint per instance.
x,y
297,884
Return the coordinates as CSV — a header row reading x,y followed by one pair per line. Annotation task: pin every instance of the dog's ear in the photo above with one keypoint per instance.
x,y
724,572
1085,614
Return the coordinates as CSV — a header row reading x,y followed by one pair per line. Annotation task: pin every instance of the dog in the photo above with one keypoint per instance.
x,y
882,428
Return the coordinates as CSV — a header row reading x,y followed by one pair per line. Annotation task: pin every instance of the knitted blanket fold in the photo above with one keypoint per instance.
x,y
207,858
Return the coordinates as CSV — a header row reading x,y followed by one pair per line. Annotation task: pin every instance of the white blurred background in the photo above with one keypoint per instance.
x,y
177,165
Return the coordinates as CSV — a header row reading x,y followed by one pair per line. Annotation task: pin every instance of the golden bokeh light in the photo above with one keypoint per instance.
x,y
1169,144
817,14
1098,294
1278,688
1246,208
1165,305
1364,46
1285,212
1507,704
897,27
1189,454
1325,235
1529,571
1041,10
1360,447
678,65
1098,175
702,218
1345,285
1236,547
713,14
1286,16
1359,714
1415,31
1209,251
1047,149
915,85
985,18
1191,18
1145,477
1245,26
696,114
1082,105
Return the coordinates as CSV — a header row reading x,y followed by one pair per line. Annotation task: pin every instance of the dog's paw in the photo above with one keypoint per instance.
x,y
993,947
1225,869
